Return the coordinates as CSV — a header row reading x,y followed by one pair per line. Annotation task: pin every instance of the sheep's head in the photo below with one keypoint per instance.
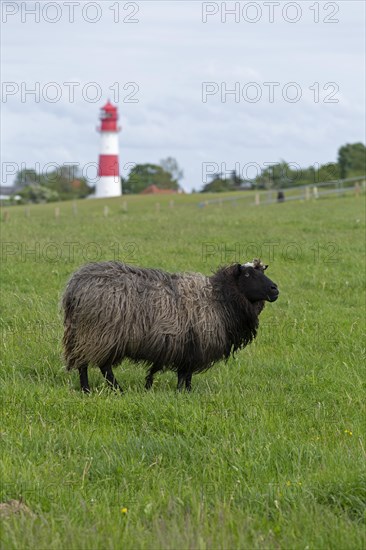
x,y
254,284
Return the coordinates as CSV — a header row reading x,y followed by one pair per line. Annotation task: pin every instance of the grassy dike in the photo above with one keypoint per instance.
x,y
268,450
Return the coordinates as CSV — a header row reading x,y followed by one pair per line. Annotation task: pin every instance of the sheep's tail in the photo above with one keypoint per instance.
x,y
68,342
69,339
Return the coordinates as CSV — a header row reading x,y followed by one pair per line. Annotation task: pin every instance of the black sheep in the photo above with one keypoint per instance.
x,y
183,322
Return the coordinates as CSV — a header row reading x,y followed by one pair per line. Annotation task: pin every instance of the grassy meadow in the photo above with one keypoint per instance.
x,y
267,451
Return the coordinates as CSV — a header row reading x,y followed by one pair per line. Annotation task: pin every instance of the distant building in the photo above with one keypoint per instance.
x,y
154,190
8,191
245,185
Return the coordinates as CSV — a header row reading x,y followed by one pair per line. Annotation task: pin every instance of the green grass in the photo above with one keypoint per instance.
x,y
268,450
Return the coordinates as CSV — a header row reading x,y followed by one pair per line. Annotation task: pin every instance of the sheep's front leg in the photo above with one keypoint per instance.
x,y
149,381
184,379
181,380
84,382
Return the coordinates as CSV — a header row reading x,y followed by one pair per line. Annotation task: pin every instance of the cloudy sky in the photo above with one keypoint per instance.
x,y
295,69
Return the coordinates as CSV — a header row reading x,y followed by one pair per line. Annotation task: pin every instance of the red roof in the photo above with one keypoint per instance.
x,y
109,107
154,190
109,118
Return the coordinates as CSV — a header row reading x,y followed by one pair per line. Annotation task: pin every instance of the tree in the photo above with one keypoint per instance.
x,y
327,172
352,160
144,175
64,183
26,177
171,165
67,182
236,180
282,176
218,184
277,176
36,193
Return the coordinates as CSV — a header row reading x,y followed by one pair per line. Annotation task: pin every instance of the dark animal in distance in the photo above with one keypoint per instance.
x,y
183,322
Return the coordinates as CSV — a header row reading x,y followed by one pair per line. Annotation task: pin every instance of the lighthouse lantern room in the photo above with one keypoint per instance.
x,y
109,181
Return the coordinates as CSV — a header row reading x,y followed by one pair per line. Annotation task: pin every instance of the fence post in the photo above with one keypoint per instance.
x,y
257,199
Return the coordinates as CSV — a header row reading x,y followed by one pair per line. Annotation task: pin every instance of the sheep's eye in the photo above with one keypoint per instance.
x,y
246,274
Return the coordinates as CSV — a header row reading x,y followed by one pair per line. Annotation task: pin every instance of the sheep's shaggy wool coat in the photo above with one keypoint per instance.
x,y
174,321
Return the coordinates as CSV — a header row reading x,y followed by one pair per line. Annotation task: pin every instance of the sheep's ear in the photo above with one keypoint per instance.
x,y
239,268
264,266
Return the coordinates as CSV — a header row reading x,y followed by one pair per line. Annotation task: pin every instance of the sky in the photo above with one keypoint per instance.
x,y
295,71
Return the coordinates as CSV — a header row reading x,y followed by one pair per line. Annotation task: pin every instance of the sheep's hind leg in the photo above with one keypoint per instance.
x,y
84,382
109,376
184,379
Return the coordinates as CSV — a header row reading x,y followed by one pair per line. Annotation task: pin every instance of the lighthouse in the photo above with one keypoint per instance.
x,y
109,181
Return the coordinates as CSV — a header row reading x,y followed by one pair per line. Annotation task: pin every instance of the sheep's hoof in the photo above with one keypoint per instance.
x,y
148,384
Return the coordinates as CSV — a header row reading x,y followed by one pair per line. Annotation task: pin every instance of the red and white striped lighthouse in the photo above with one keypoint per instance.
x,y
109,181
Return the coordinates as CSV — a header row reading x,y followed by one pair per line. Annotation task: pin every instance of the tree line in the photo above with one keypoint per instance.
x,y
351,162
66,182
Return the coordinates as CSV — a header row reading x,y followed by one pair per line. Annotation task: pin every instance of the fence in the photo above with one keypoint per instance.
x,y
356,185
